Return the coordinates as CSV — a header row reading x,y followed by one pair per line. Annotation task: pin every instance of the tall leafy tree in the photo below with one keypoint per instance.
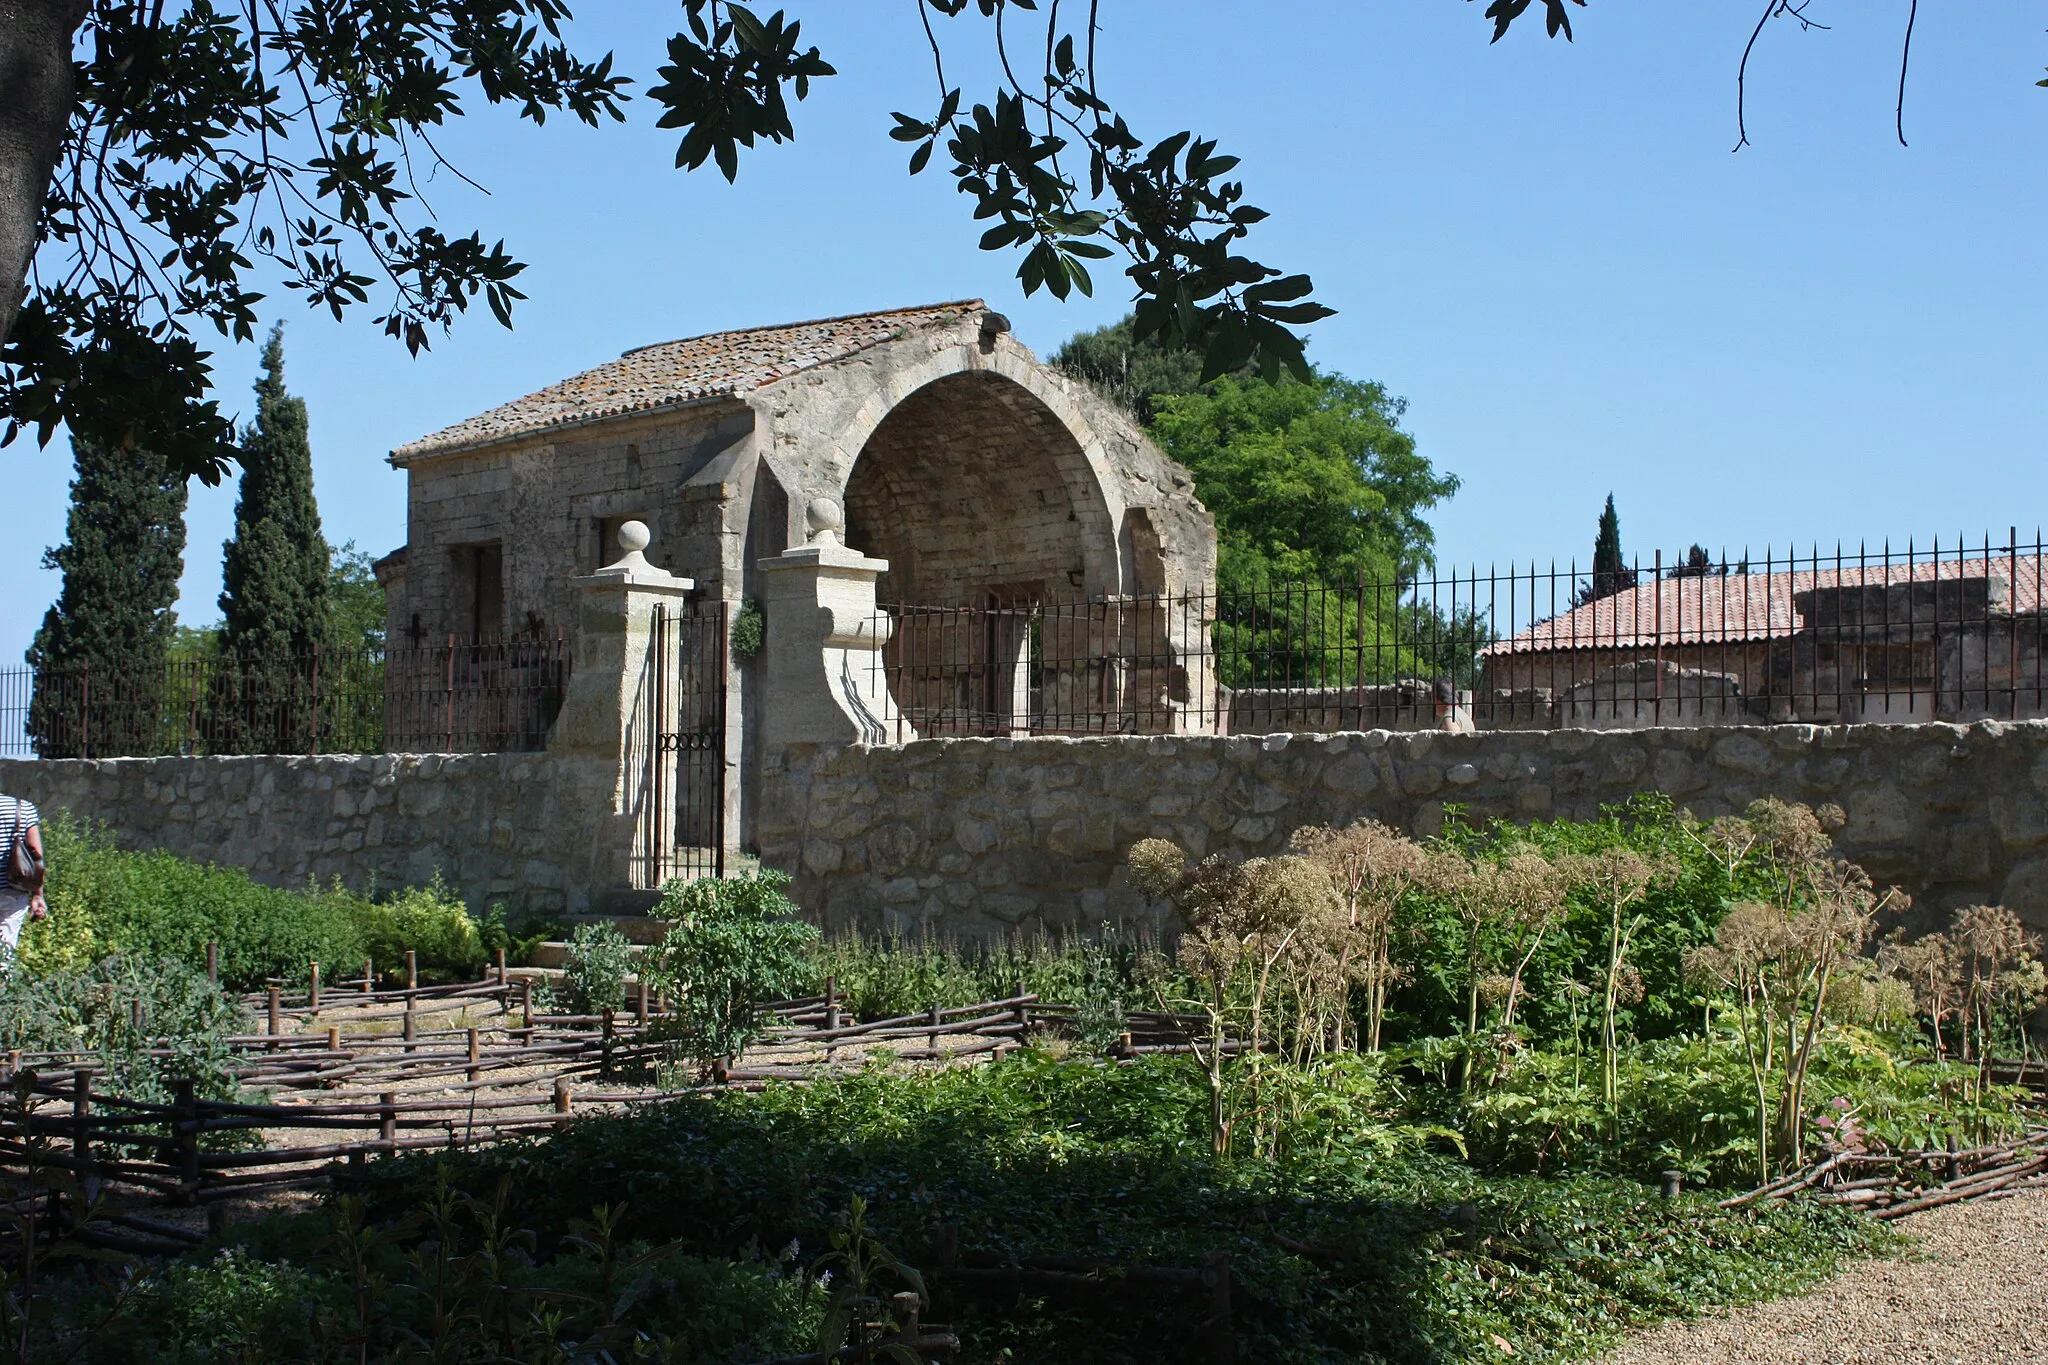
x,y
100,654
1312,483
1134,373
154,158
355,600
1309,482
274,578
1698,563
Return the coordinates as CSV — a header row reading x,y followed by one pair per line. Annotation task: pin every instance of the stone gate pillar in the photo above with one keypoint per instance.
x,y
603,734
822,655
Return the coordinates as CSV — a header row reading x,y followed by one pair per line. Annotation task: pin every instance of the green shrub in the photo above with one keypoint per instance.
x,y
104,899
1687,1104
736,945
446,941
749,630
1356,1243
451,1281
230,1307
1105,975
155,905
147,1021
600,960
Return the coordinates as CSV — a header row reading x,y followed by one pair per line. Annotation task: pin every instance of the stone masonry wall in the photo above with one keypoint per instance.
x,y
981,836
515,828
978,836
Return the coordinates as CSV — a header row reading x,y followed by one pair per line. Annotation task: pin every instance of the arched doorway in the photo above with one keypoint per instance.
x,y
989,514
971,485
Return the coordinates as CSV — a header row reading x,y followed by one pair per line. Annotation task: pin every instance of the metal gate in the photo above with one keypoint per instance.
x,y
683,821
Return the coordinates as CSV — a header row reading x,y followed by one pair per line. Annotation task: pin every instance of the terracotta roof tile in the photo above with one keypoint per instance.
x,y
1740,607
720,365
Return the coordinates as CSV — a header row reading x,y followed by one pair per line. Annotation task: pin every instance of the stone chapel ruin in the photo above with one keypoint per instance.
x,y
932,458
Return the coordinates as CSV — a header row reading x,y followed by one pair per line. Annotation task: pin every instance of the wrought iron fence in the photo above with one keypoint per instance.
x,y
1949,632
448,698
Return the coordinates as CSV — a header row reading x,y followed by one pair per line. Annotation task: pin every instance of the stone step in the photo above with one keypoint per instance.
x,y
639,929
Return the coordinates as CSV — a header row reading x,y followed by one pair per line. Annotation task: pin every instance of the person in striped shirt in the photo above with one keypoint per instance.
x,y
19,824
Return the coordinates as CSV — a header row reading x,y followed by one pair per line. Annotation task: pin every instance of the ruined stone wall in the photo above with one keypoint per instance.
x,y
981,836
547,503
516,828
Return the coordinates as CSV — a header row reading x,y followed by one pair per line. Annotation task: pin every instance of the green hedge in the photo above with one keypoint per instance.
x,y
105,900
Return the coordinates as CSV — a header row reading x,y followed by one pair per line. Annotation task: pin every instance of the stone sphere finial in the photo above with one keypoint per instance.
x,y
824,521
634,536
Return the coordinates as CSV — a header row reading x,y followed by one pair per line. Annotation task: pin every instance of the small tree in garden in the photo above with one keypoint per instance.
x,y
1370,867
1506,905
1999,969
1795,960
1927,965
735,946
1749,948
1984,972
1619,877
1242,921
600,960
1534,890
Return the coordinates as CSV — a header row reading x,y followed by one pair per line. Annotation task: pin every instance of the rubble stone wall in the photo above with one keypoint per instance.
x,y
977,837
518,828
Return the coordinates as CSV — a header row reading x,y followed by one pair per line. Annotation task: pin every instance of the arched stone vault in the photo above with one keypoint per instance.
x,y
952,449
972,484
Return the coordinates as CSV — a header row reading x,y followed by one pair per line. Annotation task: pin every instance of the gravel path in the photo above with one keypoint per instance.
x,y
1974,1292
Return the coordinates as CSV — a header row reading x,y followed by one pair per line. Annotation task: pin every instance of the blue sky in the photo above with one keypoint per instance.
x,y
1549,250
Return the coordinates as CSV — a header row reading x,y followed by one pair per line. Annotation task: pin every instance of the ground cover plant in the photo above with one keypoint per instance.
x,y
1357,1237
1431,1091
104,900
145,1024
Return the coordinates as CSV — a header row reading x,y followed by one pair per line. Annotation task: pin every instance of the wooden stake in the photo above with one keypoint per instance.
x,y
185,1138
411,1024
369,977
474,1053
275,1023
412,970
81,1119
831,1011
313,995
1222,1332
387,1116
501,969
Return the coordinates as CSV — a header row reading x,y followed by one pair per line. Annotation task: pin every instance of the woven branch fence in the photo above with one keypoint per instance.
x,y
337,1095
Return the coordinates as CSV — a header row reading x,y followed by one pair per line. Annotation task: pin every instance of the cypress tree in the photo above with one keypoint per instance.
x,y
273,579
274,572
100,654
1610,572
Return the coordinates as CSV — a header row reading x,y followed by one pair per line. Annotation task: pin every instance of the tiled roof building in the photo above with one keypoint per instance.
x,y
1864,638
